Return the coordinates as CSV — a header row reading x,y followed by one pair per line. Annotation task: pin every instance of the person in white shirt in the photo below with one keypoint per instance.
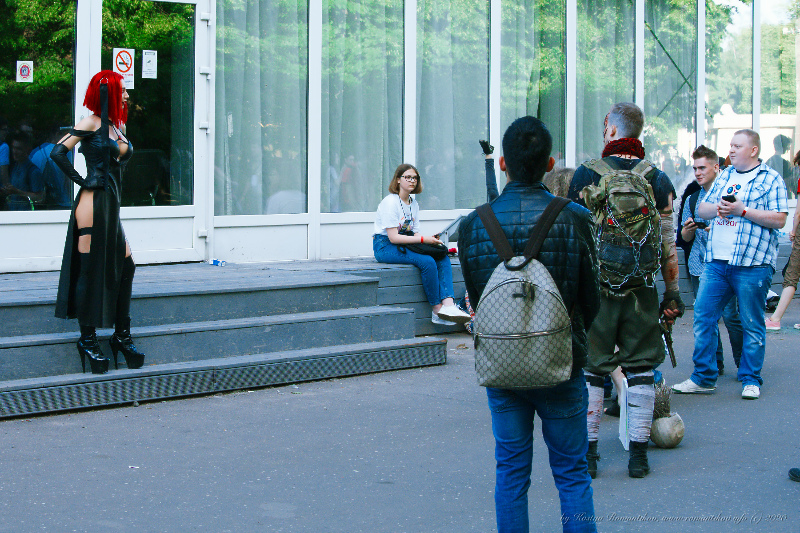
x,y
747,205
396,225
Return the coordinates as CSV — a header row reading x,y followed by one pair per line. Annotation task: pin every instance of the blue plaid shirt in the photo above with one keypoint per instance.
x,y
754,245
696,261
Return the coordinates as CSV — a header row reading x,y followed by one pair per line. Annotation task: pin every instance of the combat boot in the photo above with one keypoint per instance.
x,y
591,458
637,464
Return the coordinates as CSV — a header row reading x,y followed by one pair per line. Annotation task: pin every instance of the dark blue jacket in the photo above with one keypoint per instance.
x,y
568,253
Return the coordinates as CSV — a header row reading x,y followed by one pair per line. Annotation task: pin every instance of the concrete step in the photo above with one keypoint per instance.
x,y
195,294
402,285
53,354
171,380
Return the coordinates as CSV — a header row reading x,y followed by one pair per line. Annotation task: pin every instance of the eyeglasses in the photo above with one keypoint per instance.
x,y
410,178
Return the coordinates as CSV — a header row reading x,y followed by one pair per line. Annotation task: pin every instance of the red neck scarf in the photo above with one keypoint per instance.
x,y
626,146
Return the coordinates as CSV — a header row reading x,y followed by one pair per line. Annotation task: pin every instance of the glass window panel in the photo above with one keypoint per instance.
x,y
261,99
161,108
605,68
729,71
533,58
38,109
670,97
452,98
362,102
780,40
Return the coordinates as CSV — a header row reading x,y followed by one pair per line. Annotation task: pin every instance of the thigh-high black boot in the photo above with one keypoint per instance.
x,y
88,346
121,341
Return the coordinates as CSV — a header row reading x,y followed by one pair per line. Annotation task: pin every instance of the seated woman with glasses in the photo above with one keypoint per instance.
x,y
397,224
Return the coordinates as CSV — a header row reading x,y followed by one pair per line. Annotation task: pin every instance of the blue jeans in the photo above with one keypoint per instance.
x,y
718,284
437,276
562,410
730,315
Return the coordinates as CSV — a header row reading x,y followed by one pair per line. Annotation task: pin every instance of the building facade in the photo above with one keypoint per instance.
x,y
268,130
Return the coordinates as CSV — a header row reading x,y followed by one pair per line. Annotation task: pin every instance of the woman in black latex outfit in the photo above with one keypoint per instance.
x,y
97,268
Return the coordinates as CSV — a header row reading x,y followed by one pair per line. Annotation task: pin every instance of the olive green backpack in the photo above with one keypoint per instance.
x,y
628,224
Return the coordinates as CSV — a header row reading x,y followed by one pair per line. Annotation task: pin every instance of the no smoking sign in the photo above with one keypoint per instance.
x,y
123,64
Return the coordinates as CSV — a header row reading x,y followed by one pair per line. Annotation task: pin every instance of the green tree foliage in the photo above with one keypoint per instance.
x,y
778,69
533,60
167,28
42,31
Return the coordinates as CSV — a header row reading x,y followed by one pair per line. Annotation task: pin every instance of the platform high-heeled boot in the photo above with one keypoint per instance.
x,y
89,347
121,340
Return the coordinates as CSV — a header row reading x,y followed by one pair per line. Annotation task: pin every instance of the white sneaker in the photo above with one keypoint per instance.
x,y
751,392
690,387
453,314
436,320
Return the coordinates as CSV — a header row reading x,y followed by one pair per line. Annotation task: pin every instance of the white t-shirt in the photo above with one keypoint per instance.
x,y
725,229
393,213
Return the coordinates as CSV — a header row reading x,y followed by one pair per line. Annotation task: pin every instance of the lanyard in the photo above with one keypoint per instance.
x,y
403,208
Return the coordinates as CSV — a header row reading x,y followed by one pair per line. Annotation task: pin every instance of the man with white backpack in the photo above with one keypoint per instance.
x,y
567,252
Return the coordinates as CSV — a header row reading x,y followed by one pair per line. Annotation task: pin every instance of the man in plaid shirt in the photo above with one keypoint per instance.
x,y
748,205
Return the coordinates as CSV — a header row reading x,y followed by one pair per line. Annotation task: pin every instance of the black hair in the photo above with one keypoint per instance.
x,y
526,148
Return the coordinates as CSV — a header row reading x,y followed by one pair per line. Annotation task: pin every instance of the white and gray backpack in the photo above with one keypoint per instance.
x,y
522,329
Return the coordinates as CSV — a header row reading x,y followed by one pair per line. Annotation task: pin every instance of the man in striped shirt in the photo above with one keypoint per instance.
x,y
747,206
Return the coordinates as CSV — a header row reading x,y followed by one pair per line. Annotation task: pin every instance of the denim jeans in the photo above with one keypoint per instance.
x,y
437,276
730,315
718,284
562,410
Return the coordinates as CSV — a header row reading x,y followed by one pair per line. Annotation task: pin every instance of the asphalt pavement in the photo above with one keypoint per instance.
x,y
405,451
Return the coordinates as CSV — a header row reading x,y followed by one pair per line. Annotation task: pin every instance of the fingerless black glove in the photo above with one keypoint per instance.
x,y
672,300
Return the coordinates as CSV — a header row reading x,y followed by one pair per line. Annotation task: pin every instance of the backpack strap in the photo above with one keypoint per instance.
x,y
643,168
693,199
601,166
543,226
495,232
538,234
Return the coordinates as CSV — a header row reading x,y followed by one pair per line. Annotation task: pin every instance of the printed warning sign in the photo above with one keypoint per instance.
x,y
149,64
123,64
24,71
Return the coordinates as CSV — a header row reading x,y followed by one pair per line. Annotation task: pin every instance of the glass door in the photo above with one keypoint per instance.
x,y
152,44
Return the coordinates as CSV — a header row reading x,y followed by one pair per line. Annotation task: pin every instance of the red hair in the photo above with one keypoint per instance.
x,y
117,114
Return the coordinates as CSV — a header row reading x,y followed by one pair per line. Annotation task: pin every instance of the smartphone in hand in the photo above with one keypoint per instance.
x,y
729,198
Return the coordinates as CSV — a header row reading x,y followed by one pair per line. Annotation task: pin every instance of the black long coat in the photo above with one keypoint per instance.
x,y
108,247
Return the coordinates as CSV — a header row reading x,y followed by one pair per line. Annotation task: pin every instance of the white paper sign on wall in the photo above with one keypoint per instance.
x,y
123,64
149,64
25,71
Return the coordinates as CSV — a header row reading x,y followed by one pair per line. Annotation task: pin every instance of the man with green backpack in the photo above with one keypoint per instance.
x,y
631,202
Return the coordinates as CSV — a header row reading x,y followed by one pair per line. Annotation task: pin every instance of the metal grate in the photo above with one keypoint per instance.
x,y
328,367
104,391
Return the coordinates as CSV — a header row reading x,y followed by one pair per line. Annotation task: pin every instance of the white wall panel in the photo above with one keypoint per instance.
x,y
265,243
346,240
